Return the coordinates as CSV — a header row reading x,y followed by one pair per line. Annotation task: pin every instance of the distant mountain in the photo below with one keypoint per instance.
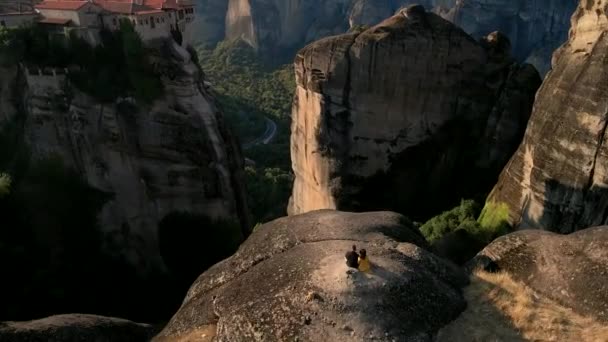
x,y
279,28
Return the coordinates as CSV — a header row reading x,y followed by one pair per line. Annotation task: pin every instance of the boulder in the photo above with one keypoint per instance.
x,y
76,328
289,281
571,269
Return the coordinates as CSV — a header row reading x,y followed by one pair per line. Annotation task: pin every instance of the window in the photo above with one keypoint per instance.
x,y
114,21
181,14
146,21
158,20
2,23
134,22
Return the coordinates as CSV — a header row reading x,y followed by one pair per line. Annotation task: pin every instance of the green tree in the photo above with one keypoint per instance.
x,y
269,190
463,215
118,67
5,184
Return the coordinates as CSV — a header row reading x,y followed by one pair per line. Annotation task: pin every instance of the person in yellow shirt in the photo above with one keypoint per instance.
x,y
364,265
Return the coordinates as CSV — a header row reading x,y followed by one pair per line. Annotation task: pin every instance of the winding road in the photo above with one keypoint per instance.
x,y
264,139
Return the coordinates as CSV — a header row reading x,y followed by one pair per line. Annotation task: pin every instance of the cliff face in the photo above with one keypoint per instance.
x,y
535,28
410,116
210,25
174,155
558,177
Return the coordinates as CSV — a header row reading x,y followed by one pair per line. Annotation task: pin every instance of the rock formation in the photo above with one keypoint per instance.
x,y
74,328
557,179
210,25
571,269
411,115
289,281
8,82
174,155
535,28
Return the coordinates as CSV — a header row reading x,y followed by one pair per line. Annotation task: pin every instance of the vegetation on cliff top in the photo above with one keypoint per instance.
x,y
118,67
5,184
463,231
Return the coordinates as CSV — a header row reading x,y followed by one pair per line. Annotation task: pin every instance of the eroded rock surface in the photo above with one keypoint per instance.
x,y
289,279
410,115
175,154
536,28
571,269
558,178
75,328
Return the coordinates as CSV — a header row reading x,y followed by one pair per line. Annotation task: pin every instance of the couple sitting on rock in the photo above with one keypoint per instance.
x,y
358,260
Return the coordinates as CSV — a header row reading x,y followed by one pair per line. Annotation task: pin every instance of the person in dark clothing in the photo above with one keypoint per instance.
x,y
352,258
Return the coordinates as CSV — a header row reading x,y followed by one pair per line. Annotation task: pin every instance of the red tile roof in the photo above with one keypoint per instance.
x,y
156,4
116,6
69,5
170,4
129,7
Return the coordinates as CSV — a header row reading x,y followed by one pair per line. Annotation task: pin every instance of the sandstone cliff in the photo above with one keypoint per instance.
x,y
210,25
410,115
557,179
535,28
289,282
173,155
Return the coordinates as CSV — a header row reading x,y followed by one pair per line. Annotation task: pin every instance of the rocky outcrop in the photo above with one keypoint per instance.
x,y
536,28
411,115
571,269
210,24
173,155
76,327
557,179
289,281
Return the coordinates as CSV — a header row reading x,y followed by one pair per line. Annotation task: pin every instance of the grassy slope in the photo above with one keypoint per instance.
x,y
501,309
